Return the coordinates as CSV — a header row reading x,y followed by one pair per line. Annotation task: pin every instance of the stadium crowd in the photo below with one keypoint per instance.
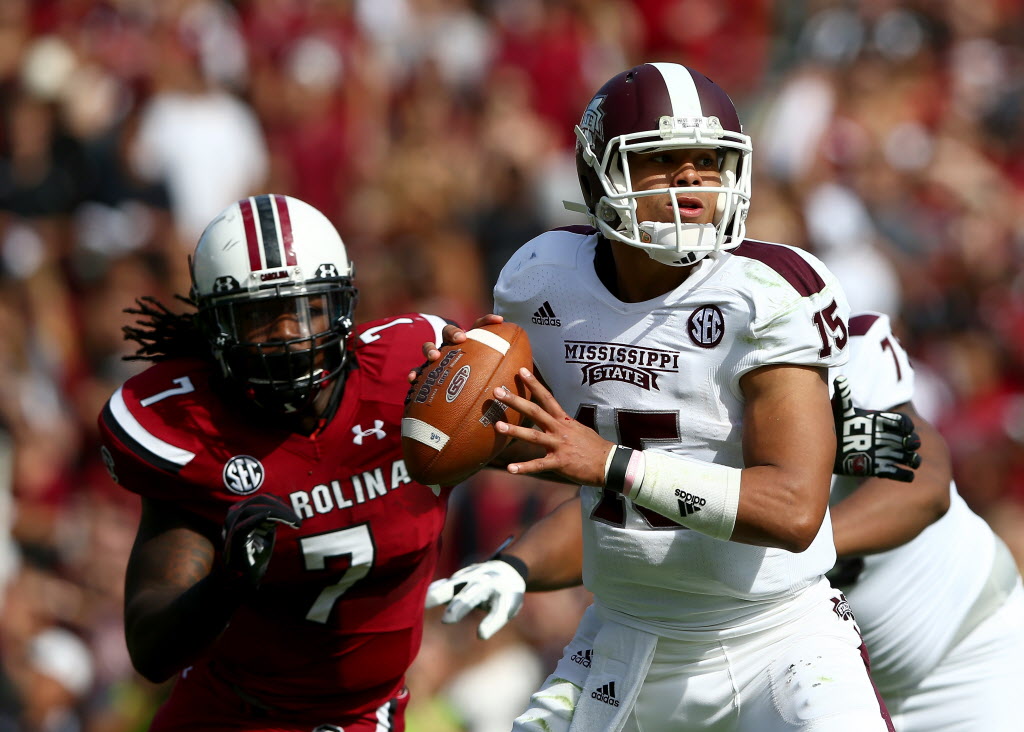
x,y
437,135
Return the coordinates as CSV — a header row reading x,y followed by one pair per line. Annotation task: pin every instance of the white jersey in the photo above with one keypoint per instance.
x,y
911,602
664,374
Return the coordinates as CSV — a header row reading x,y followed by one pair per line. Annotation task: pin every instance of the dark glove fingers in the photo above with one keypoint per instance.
x,y
268,506
892,471
842,398
286,520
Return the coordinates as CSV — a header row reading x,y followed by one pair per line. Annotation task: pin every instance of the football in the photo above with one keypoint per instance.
x,y
447,428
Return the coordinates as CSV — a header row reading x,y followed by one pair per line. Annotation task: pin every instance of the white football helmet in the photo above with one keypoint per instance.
x,y
655,107
262,261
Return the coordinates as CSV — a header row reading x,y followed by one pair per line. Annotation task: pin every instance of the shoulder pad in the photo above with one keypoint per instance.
x,y
557,247
801,269
146,412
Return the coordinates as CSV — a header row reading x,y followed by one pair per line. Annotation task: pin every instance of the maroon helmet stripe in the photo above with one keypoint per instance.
x,y
268,228
286,229
251,239
861,324
715,102
796,270
648,99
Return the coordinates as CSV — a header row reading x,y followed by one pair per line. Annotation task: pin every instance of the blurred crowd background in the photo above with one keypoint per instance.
x,y
437,135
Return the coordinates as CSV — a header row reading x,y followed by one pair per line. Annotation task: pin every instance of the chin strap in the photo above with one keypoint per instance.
x,y
664,242
677,246
580,208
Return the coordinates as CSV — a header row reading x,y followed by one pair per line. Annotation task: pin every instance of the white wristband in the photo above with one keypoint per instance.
x,y
702,496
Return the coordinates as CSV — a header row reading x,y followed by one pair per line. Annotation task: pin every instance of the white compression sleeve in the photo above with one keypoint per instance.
x,y
702,496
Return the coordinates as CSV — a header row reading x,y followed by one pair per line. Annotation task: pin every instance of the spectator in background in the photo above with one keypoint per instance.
x,y
56,679
205,143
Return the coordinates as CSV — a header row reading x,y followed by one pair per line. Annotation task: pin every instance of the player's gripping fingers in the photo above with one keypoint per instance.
x,y
533,412
896,438
842,399
450,335
542,395
894,471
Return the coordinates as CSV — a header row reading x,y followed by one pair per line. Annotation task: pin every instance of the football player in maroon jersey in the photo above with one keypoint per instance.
x,y
283,553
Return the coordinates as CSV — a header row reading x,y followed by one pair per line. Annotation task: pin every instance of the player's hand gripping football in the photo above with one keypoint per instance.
x,y
571,450
872,444
495,586
450,335
250,530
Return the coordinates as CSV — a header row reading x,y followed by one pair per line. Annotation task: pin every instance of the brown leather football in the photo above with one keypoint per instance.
x,y
448,428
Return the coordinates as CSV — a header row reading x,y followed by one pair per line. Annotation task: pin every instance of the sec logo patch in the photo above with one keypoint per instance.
x,y
706,326
243,475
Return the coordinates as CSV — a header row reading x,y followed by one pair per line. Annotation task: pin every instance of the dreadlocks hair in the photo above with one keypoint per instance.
x,y
162,334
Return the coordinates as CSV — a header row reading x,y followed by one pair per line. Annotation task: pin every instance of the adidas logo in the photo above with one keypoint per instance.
x,y
583,657
546,316
606,694
688,503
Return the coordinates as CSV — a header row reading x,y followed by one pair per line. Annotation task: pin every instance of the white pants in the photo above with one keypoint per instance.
x,y
977,686
805,674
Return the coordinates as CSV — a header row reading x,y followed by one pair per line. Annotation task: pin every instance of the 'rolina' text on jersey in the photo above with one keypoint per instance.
x,y
344,493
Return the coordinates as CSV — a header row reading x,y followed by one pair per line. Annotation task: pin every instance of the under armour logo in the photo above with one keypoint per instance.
x,y
360,433
225,283
326,271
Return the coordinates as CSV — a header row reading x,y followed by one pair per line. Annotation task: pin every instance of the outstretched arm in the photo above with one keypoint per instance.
x,y
549,556
552,549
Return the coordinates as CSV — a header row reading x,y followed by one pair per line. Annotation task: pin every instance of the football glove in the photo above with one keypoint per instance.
x,y
845,572
250,530
495,586
872,444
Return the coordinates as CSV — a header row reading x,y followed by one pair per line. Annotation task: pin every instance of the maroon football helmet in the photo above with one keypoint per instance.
x,y
658,107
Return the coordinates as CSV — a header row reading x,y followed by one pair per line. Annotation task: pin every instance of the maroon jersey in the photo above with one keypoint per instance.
x,y
338,617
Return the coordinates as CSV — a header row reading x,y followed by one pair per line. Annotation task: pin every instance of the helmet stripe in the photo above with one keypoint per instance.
x,y
284,218
268,227
681,89
252,242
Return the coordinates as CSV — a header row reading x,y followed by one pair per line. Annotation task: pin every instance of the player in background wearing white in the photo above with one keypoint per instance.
x,y
700,358
936,593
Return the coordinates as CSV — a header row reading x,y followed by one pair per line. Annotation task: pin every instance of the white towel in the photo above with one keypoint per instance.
x,y
618,667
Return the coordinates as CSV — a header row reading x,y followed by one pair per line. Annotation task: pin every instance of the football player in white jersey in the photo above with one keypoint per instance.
x,y
689,370
937,594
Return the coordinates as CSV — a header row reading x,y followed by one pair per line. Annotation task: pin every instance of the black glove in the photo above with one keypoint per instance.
x,y
250,529
845,572
870,444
